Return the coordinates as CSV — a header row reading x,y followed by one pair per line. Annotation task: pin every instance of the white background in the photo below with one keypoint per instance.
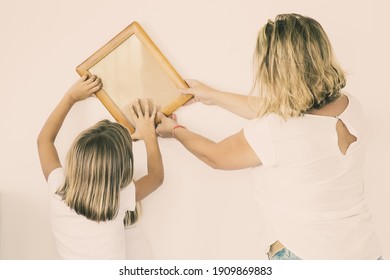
x,y
198,213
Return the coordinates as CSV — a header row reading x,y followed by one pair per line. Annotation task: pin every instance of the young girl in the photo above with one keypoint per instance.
x,y
305,143
91,195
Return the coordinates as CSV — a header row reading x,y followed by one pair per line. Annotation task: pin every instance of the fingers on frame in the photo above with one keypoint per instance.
x,y
95,88
133,112
154,112
142,107
138,108
146,107
84,77
95,85
147,111
95,82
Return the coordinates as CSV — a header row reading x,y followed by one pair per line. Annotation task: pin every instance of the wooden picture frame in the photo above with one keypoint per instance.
x,y
131,66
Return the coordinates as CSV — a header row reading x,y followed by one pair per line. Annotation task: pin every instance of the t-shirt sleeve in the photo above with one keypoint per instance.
x,y
353,118
127,199
258,136
56,179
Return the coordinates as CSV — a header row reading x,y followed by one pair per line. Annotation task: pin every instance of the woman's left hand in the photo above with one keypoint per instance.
x,y
166,126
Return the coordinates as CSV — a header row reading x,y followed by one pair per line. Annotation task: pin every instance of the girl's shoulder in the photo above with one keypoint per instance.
x,y
56,179
127,197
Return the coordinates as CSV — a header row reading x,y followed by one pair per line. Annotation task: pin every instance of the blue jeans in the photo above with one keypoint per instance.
x,y
285,254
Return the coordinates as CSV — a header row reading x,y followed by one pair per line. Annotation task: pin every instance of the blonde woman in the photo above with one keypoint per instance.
x,y
93,194
305,134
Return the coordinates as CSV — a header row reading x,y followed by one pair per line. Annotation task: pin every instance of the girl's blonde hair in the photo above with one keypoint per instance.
x,y
99,165
295,68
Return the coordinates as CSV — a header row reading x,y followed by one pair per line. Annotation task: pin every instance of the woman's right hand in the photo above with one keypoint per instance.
x,y
201,92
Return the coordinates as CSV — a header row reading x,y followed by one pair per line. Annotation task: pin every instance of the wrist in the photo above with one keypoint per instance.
x,y
177,126
217,97
149,136
70,99
149,141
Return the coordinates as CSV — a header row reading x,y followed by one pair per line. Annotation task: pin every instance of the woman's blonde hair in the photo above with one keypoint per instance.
x,y
99,165
295,68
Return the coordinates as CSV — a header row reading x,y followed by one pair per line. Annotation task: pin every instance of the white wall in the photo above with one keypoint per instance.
x,y
199,213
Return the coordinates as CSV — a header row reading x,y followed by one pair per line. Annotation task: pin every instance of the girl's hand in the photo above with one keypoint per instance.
x,y
166,126
201,92
84,87
143,121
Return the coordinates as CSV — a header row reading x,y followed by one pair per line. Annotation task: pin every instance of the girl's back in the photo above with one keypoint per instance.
x,y
79,238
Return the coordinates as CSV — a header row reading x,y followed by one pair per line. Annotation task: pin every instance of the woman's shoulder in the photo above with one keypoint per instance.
x,y
333,109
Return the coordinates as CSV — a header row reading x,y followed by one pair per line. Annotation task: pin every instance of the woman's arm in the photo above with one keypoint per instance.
x,y
84,87
233,152
145,130
235,103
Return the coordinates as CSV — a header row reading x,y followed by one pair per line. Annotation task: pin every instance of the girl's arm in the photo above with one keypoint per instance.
x,y
145,130
235,103
232,153
84,87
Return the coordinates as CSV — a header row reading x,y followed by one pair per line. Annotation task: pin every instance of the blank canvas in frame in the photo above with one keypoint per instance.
x,y
131,66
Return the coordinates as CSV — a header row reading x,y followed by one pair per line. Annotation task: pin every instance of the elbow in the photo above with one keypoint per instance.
x,y
218,161
213,165
214,157
160,180
44,139
214,162
218,166
40,141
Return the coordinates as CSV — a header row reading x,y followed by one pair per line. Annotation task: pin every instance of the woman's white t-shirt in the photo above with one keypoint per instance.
x,y
313,194
77,237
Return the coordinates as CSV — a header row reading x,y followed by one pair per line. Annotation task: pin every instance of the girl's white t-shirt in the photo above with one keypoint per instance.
x,y
76,237
311,193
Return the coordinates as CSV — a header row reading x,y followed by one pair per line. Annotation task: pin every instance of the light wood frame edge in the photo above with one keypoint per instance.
x,y
134,29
